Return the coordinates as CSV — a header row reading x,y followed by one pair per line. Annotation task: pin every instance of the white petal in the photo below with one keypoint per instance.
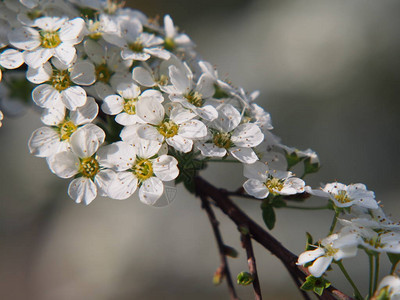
x,y
37,57
165,167
143,77
205,86
83,73
179,79
11,59
127,119
119,155
45,95
73,97
247,135
209,149
228,118
128,90
84,142
244,155
49,23
95,51
123,186
180,115
64,164
169,27
345,253
193,129
65,53
86,113
53,116
256,188
158,52
101,136
71,31
151,190
150,111
82,190
320,265
40,74
148,132
146,148
152,94
103,180
310,255
206,112
113,104
180,143
44,142
24,38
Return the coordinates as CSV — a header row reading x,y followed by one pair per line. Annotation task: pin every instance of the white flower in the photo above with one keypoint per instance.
x,y
179,129
140,166
82,162
229,136
263,181
347,195
138,45
191,95
124,104
47,141
390,287
173,39
55,37
333,247
61,84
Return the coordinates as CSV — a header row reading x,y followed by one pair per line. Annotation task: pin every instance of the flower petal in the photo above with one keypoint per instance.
x,y
82,190
151,190
256,188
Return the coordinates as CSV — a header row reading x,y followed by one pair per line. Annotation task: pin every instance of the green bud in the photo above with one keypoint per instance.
x,y
245,278
315,284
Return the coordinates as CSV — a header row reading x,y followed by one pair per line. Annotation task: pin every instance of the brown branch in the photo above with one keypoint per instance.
x,y
251,260
298,273
221,246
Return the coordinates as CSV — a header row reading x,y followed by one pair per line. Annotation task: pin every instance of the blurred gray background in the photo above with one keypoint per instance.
x,y
328,72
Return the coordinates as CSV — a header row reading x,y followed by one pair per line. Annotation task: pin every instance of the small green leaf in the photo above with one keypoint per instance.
x,y
230,251
310,167
245,278
394,258
315,284
309,244
268,215
278,202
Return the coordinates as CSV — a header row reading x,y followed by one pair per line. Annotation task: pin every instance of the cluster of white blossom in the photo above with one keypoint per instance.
x,y
126,100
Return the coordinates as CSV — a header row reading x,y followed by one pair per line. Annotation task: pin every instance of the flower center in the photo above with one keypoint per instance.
x,y
67,128
194,98
89,167
163,80
168,129
342,197
130,106
274,184
103,73
49,39
330,251
136,46
60,80
169,44
143,169
222,140
374,242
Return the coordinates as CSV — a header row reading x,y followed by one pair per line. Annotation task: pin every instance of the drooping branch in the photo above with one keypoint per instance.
x,y
251,260
204,189
224,267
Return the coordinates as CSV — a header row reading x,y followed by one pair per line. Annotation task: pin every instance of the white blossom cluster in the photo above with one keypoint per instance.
x,y
127,103
123,96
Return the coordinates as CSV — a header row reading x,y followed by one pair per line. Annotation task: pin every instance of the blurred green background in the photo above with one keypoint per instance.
x,y
328,72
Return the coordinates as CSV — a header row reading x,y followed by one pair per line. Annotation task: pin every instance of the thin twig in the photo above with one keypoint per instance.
x,y
251,260
261,236
221,246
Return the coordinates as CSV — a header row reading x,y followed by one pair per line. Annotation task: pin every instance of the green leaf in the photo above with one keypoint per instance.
x,y
309,243
382,294
394,258
244,278
278,202
315,284
268,215
230,251
310,167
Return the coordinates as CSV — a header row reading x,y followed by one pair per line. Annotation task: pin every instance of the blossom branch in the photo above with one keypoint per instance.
x,y
224,267
247,245
204,189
